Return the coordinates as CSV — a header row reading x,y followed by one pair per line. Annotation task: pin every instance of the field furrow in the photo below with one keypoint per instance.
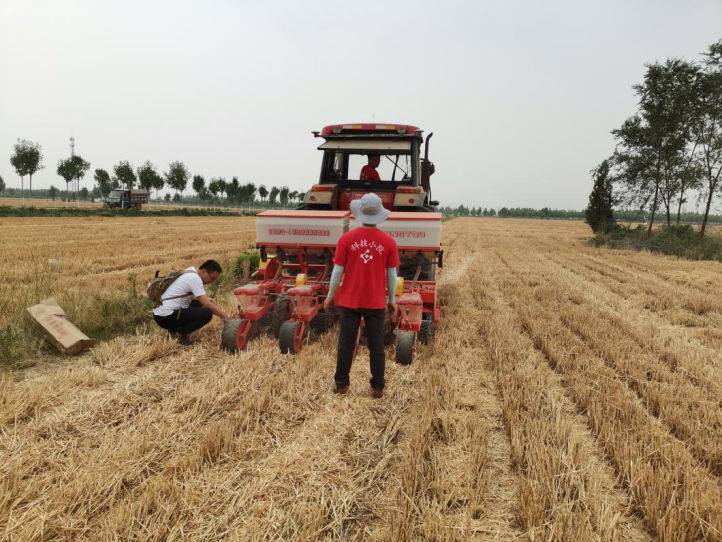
x,y
570,393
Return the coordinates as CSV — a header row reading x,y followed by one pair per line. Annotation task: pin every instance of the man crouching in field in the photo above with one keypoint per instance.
x,y
185,307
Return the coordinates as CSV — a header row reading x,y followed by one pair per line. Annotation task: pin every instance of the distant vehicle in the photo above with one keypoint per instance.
x,y
125,199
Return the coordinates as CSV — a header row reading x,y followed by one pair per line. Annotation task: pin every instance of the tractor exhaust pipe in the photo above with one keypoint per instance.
x,y
426,146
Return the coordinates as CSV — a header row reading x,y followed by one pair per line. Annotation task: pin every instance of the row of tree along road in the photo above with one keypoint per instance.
x,y
669,153
27,160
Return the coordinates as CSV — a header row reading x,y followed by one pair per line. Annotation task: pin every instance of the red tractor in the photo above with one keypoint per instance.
x,y
286,293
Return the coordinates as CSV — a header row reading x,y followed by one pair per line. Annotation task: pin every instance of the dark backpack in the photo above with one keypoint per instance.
x,y
157,287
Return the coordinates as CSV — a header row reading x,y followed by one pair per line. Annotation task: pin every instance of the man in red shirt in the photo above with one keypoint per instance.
x,y
367,258
368,172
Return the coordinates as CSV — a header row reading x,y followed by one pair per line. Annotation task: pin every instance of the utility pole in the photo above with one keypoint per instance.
x,y
77,181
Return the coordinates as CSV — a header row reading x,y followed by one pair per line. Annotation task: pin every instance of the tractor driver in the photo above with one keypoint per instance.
x,y
368,172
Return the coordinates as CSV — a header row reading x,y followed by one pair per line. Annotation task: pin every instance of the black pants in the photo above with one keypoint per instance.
x,y
185,321
350,322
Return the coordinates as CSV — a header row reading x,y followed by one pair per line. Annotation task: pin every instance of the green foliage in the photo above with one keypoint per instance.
x,y
283,195
124,174
672,145
103,182
72,169
675,240
27,159
598,213
2,184
199,184
148,177
262,192
253,257
273,194
53,193
177,176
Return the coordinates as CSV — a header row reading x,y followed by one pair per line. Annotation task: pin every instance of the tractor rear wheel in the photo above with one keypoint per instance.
x,y
405,347
323,322
280,314
287,338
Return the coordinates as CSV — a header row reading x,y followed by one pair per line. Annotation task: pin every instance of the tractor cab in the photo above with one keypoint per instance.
x,y
382,158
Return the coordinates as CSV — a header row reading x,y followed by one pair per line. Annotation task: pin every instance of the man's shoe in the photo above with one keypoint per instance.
x,y
184,339
377,393
341,390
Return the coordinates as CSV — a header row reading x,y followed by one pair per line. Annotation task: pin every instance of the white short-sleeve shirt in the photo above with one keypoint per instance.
x,y
189,285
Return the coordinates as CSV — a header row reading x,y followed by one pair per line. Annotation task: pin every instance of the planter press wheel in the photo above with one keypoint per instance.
x,y
230,341
405,347
426,333
290,340
279,314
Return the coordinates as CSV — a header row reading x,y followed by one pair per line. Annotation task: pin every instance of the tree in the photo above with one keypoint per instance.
x,y
148,177
2,184
283,195
52,192
262,192
273,194
248,193
167,197
599,214
652,145
214,187
301,196
84,194
199,184
124,175
158,184
72,169
177,176
27,160
103,182
706,127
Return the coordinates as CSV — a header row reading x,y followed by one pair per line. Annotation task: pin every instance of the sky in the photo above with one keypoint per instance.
x,y
521,95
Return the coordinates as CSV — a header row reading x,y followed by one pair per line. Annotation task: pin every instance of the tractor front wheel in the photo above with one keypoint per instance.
x,y
288,339
405,347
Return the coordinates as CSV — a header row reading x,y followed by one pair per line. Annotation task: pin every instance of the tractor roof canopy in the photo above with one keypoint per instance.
x,y
370,130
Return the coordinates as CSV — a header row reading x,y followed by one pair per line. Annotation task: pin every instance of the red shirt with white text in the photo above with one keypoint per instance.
x,y
366,254
369,173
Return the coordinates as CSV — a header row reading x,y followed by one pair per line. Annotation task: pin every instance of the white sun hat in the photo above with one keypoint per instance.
x,y
369,209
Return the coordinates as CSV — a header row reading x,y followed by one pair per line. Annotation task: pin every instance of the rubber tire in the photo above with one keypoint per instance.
x,y
280,314
228,337
426,333
389,329
407,269
323,322
404,347
286,336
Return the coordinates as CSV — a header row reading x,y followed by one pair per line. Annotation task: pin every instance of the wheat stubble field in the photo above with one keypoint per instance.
x,y
572,393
